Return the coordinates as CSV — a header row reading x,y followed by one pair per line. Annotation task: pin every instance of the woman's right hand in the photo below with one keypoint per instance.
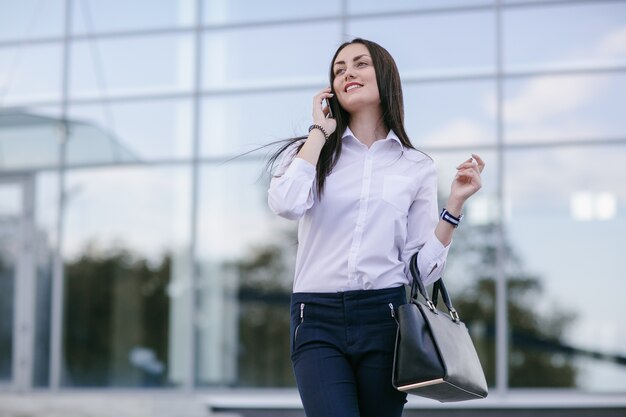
x,y
320,111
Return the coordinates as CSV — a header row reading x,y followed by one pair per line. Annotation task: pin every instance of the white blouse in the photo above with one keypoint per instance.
x,y
379,206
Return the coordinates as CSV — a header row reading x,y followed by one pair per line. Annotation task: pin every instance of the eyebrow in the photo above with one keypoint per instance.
x,y
356,58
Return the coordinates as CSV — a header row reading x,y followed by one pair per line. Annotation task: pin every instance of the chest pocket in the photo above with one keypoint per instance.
x,y
398,191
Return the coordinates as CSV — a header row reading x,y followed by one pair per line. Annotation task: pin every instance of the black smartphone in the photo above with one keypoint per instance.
x,y
330,109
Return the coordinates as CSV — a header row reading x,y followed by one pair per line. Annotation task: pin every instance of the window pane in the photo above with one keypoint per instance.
x,y
146,130
470,272
269,56
439,44
567,226
576,107
45,241
11,243
246,256
450,114
235,124
228,11
22,79
585,34
160,63
94,16
126,277
30,137
365,6
28,19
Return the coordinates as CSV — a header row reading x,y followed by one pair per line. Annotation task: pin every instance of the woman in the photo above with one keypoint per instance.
x,y
366,201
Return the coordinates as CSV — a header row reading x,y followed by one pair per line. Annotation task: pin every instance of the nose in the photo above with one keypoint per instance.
x,y
348,74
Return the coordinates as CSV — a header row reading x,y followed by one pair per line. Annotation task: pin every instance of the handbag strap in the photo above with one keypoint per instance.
x,y
417,288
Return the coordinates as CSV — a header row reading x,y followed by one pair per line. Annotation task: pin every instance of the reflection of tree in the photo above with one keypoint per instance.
x,y
264,295
536,358
116,305
536,348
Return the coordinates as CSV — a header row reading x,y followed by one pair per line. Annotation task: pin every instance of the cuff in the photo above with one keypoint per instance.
x,y
300,168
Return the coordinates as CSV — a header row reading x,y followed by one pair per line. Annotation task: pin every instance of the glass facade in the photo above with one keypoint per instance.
x,y
136,252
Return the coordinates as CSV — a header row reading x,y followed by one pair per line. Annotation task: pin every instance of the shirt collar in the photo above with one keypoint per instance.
x,y
391,135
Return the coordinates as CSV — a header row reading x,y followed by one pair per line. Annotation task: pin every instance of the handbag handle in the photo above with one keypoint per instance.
x,y
417,287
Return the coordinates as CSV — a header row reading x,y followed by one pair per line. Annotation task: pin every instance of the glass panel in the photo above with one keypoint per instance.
x,y
22,79
269,56
365,6
471,267
142,130
567,225
11,207
439,43
227,11
126,242
30,138
94,16
246,256
45,241
235,124
573,35
542,109
137,65
450,114
28,19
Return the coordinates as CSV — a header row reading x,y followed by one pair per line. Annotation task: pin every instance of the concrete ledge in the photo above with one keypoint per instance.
x,y
528,401
102,404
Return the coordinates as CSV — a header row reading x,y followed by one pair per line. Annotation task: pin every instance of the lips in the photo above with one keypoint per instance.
x,y
352,86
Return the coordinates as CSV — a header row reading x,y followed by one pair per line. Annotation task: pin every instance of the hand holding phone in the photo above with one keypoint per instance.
x,y
330,109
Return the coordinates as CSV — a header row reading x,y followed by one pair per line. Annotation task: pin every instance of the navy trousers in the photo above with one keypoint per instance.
x,y
342,352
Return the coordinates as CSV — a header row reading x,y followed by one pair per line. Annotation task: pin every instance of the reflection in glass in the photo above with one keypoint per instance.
x,y
96,16
235,124
21,76
45,241
434,44
30,138
11,243
137,65
450,114
246,256
470,272
557,108
228,11
29,19
568,341
126,239
147,130
568,35
269,56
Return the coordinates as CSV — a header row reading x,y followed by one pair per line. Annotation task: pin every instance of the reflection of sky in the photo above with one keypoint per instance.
x,y
232,214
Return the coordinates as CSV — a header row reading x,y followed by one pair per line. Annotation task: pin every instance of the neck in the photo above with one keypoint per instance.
x,y
368,126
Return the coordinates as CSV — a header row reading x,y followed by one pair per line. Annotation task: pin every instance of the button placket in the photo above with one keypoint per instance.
x,y
362,213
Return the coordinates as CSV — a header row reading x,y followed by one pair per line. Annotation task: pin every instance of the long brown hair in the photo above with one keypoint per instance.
x,y
391,102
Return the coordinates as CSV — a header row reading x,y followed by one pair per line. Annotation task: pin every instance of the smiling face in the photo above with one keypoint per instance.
x,y
354,83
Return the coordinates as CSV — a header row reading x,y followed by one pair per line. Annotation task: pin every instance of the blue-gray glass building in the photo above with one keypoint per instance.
x,y
136,251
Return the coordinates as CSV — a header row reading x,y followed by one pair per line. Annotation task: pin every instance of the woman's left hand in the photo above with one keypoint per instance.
x,y
467,180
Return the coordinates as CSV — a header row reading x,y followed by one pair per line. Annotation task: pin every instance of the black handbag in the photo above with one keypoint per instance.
x,y
434,355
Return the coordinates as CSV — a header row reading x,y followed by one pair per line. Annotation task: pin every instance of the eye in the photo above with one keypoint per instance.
x,y
339,71
361,64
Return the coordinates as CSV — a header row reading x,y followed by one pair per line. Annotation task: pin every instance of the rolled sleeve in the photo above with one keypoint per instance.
x,y
291,194
421,223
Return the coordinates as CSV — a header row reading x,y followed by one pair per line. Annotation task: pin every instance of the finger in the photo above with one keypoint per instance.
x,y
479,161
468,175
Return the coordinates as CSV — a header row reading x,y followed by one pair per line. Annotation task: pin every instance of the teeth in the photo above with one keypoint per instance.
x,y
352,87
